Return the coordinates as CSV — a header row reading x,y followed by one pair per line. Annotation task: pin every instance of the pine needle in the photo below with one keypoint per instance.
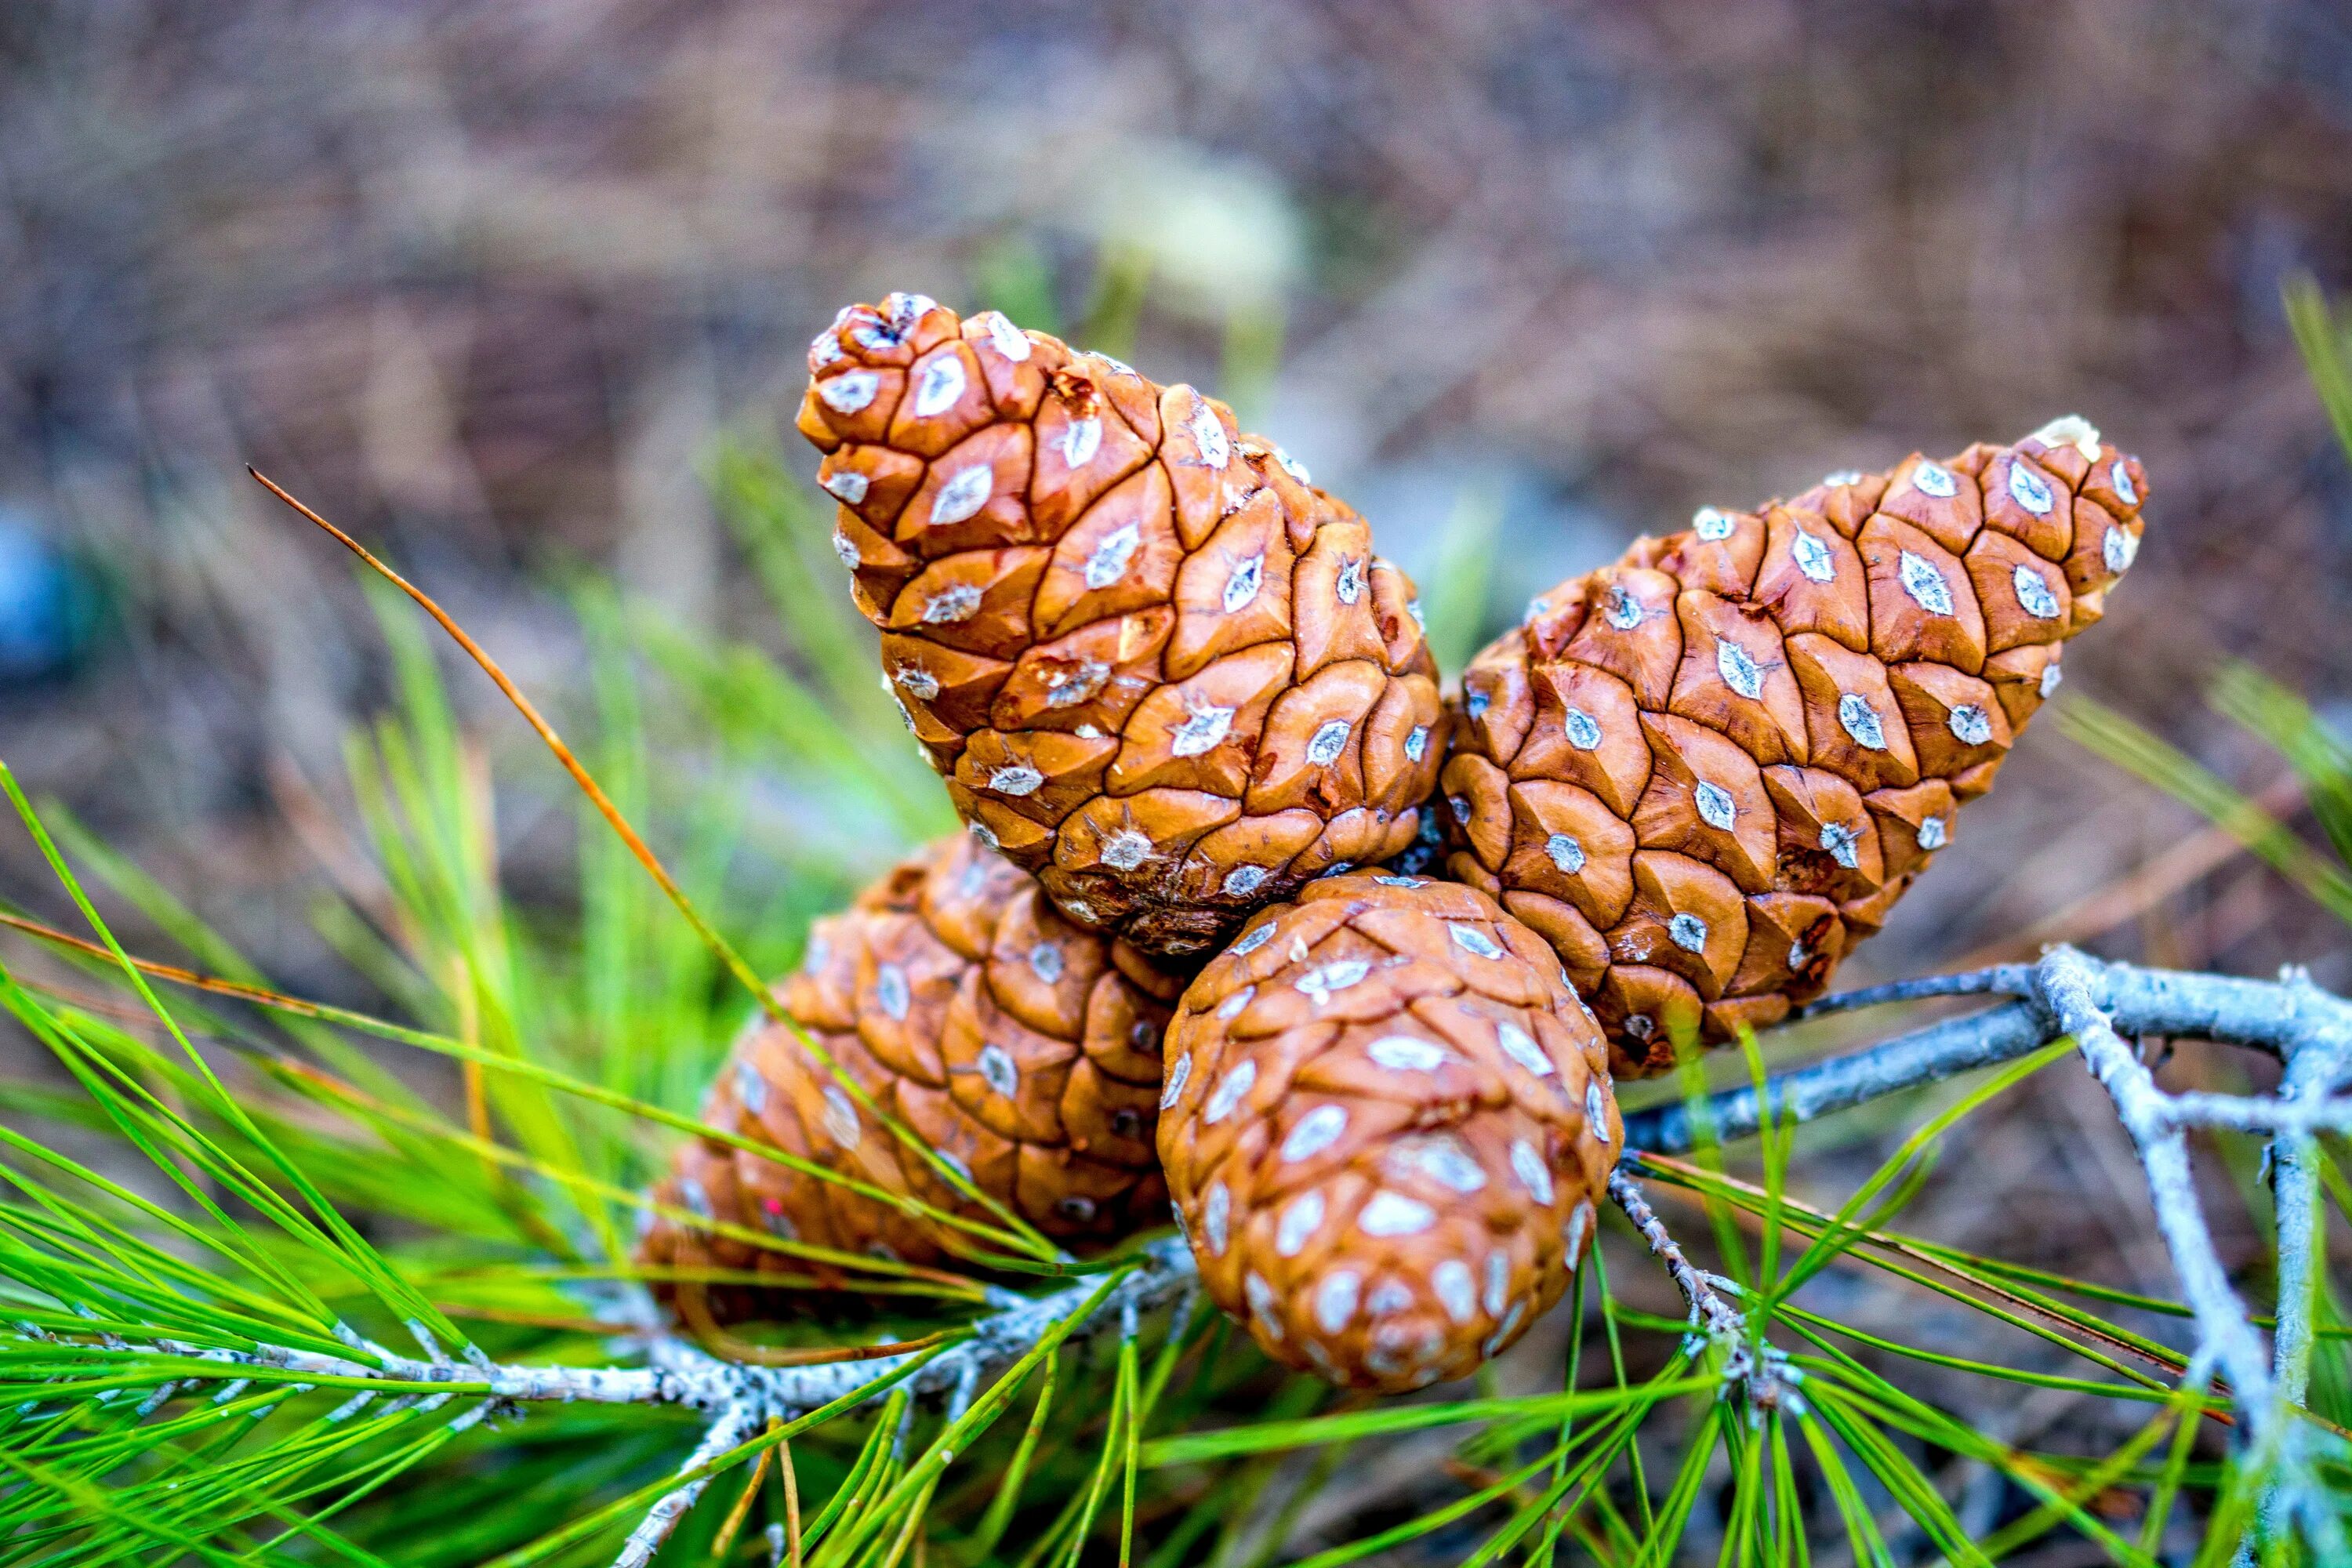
x,y
723,1542
791,1503
462,1051
720,948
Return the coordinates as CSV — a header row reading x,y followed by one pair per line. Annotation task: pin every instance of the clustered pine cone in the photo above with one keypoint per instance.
x,y
1168,677
1705,771
1386,1124
1021,1047
1156,666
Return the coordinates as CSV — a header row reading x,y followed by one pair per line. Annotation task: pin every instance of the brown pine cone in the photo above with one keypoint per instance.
x,y
1707,772
1387,1121
1158,669
1021,1047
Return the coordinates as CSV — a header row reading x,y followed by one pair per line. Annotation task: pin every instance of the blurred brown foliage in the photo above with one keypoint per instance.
x,y
484,281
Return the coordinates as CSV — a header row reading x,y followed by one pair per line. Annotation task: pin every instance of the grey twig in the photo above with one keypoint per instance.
x,y
2001,979
2074,990
2301,1109
1762,1375
2069,994
2294,1119
681,1374
738,1398
661,1520
2273,1017
1163,1271
2314,1067
1923,1057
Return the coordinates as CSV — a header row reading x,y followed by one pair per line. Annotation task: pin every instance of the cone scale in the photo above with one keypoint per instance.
x,y
1158,669
1021,1047
1707,772
1386,1125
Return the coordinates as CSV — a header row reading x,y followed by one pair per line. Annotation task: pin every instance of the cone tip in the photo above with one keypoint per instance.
x,y
2071,429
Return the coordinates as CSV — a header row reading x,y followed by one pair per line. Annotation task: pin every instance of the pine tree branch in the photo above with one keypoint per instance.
x,y
2066,993
1709,1313
2300,1109
2284,1017
2001,979
2314,1067
1908,1061
2072,990
2273,1017
2275,1450
2097,1003
681,1374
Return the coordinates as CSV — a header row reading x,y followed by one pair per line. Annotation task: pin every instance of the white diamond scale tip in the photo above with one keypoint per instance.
x,y
1321,982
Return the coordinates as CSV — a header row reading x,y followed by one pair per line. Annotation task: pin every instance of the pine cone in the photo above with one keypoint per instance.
x,y
1387,1120
1707,772
1021,1047
1158,669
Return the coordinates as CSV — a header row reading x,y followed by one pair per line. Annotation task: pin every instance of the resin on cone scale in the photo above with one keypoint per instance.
x,y
1386,1126
1156,666
1021,1047
1707,772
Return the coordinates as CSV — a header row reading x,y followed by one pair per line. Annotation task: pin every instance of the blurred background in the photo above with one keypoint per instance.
x,y
518,293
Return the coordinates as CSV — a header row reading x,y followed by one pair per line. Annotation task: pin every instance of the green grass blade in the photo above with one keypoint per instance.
x,y
1455,598
2134,749
2318,755
2326,346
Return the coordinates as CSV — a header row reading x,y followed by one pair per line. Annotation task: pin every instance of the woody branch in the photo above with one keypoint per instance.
x,y
2098,1005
